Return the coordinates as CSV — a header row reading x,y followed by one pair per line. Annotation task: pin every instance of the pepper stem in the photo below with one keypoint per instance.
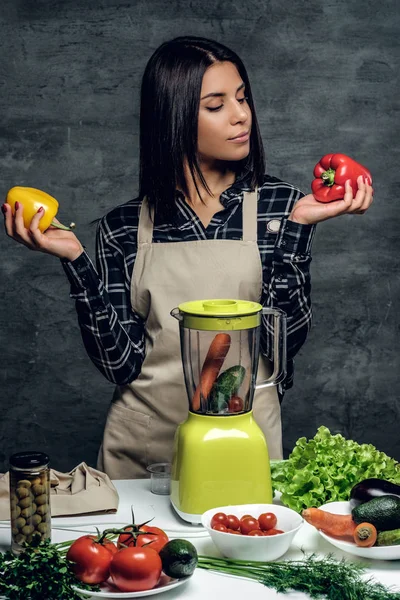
x,y
328,177
63,227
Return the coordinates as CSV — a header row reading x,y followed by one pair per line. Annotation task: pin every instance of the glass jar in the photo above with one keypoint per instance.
x,y
29,498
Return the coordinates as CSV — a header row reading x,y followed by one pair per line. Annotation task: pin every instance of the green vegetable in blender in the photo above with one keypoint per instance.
x,y
226,386
325,469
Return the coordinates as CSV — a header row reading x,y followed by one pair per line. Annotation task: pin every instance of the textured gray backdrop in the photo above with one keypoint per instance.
x,y
325,76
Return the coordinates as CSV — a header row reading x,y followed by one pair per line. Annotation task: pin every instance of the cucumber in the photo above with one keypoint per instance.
x,y
388,538
383,512
226,386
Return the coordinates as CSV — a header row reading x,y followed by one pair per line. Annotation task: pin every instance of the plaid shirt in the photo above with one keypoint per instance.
x,y
113,334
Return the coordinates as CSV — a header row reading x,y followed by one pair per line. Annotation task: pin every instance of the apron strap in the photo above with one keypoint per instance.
x,y
250,201
145,227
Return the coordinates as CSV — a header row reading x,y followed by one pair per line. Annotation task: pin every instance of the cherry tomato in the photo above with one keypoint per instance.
x,y
235,531
220,527
235,404
267,521
92,560
246,517
256,533
247,525
135,569
218,518
155,535
232,522
272,531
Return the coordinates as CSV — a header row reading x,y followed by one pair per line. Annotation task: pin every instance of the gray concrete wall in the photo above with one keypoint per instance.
x,y
325,76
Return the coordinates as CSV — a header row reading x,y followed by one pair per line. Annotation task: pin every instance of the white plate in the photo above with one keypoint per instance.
x,y
109,591
376,552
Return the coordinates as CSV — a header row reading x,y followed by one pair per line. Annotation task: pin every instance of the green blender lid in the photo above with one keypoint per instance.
x,y
220,314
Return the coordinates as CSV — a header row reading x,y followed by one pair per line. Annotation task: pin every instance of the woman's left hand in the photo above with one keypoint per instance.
x,y
308,211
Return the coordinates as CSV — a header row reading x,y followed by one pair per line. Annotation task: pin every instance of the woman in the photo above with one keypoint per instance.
x,y
221,228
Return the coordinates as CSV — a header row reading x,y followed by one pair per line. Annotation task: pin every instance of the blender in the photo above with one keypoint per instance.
x,y
220,453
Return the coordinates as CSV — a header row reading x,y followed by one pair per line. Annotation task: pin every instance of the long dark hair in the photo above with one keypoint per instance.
x,y
170,99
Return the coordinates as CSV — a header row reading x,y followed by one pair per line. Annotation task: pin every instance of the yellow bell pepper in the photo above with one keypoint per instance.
x,y
32,199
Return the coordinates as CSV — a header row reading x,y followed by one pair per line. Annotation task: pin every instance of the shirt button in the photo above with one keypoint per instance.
x,y
283,243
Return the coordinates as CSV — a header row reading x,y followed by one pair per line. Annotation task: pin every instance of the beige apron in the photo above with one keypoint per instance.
x,y
144,415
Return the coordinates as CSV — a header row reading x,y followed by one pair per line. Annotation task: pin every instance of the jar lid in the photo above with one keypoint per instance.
x,y
29,460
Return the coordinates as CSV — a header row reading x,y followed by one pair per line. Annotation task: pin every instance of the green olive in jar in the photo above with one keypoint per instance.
x,y
20,523
42,509
15,512
36,519
36,481
25,502
28,512
22,492
42,527
24,483
38,489
28,529
42,499
20,539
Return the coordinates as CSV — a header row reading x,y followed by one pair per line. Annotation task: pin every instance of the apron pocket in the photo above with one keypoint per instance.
x,y
126,443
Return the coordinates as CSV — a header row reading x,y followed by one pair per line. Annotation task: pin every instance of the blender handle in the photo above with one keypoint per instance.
x,y
279,358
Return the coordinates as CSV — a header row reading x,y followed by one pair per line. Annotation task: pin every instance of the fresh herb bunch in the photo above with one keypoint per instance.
x,y
40,572
319,578
326,467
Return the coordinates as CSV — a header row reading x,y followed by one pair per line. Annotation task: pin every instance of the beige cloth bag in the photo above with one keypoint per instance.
x,y
82,491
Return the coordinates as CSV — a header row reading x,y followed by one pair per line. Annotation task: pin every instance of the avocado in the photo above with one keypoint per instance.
x,y
179,558
383,512
226,386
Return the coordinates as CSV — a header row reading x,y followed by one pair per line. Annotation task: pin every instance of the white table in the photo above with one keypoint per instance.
x,y
203,584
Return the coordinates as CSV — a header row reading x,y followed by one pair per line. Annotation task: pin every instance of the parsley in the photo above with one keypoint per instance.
x,y
40,571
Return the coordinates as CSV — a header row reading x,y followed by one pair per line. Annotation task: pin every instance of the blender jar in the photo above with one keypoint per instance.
x,y
220,345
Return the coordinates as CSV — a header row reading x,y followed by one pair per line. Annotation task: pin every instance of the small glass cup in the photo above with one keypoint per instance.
x,y
160,478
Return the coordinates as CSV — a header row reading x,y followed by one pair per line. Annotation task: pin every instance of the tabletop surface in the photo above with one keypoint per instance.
x,y
136,495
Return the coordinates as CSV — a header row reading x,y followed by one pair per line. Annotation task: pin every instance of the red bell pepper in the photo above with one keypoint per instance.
x,y
332,172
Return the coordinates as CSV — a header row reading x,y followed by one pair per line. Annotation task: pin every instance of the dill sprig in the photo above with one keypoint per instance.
x,y
318,577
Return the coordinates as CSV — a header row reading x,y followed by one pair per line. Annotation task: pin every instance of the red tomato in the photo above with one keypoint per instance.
x,y
267,521
256,533
218,518
92,560
235,531
232,522
220,527
155,535
247,525
246,517
235,404
135,569
272,531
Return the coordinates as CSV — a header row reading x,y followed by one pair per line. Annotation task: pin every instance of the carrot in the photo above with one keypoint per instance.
x,y
365,535
329,523
216,354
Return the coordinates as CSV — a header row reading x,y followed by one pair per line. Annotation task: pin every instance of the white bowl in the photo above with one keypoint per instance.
x,y
260,548
375,552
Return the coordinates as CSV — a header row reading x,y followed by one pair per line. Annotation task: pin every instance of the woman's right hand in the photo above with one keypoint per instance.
x,y
60,243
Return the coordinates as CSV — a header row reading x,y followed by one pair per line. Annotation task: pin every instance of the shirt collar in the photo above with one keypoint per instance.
x,y
232,195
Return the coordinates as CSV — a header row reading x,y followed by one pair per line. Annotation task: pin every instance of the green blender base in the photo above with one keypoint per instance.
x,y
219,461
